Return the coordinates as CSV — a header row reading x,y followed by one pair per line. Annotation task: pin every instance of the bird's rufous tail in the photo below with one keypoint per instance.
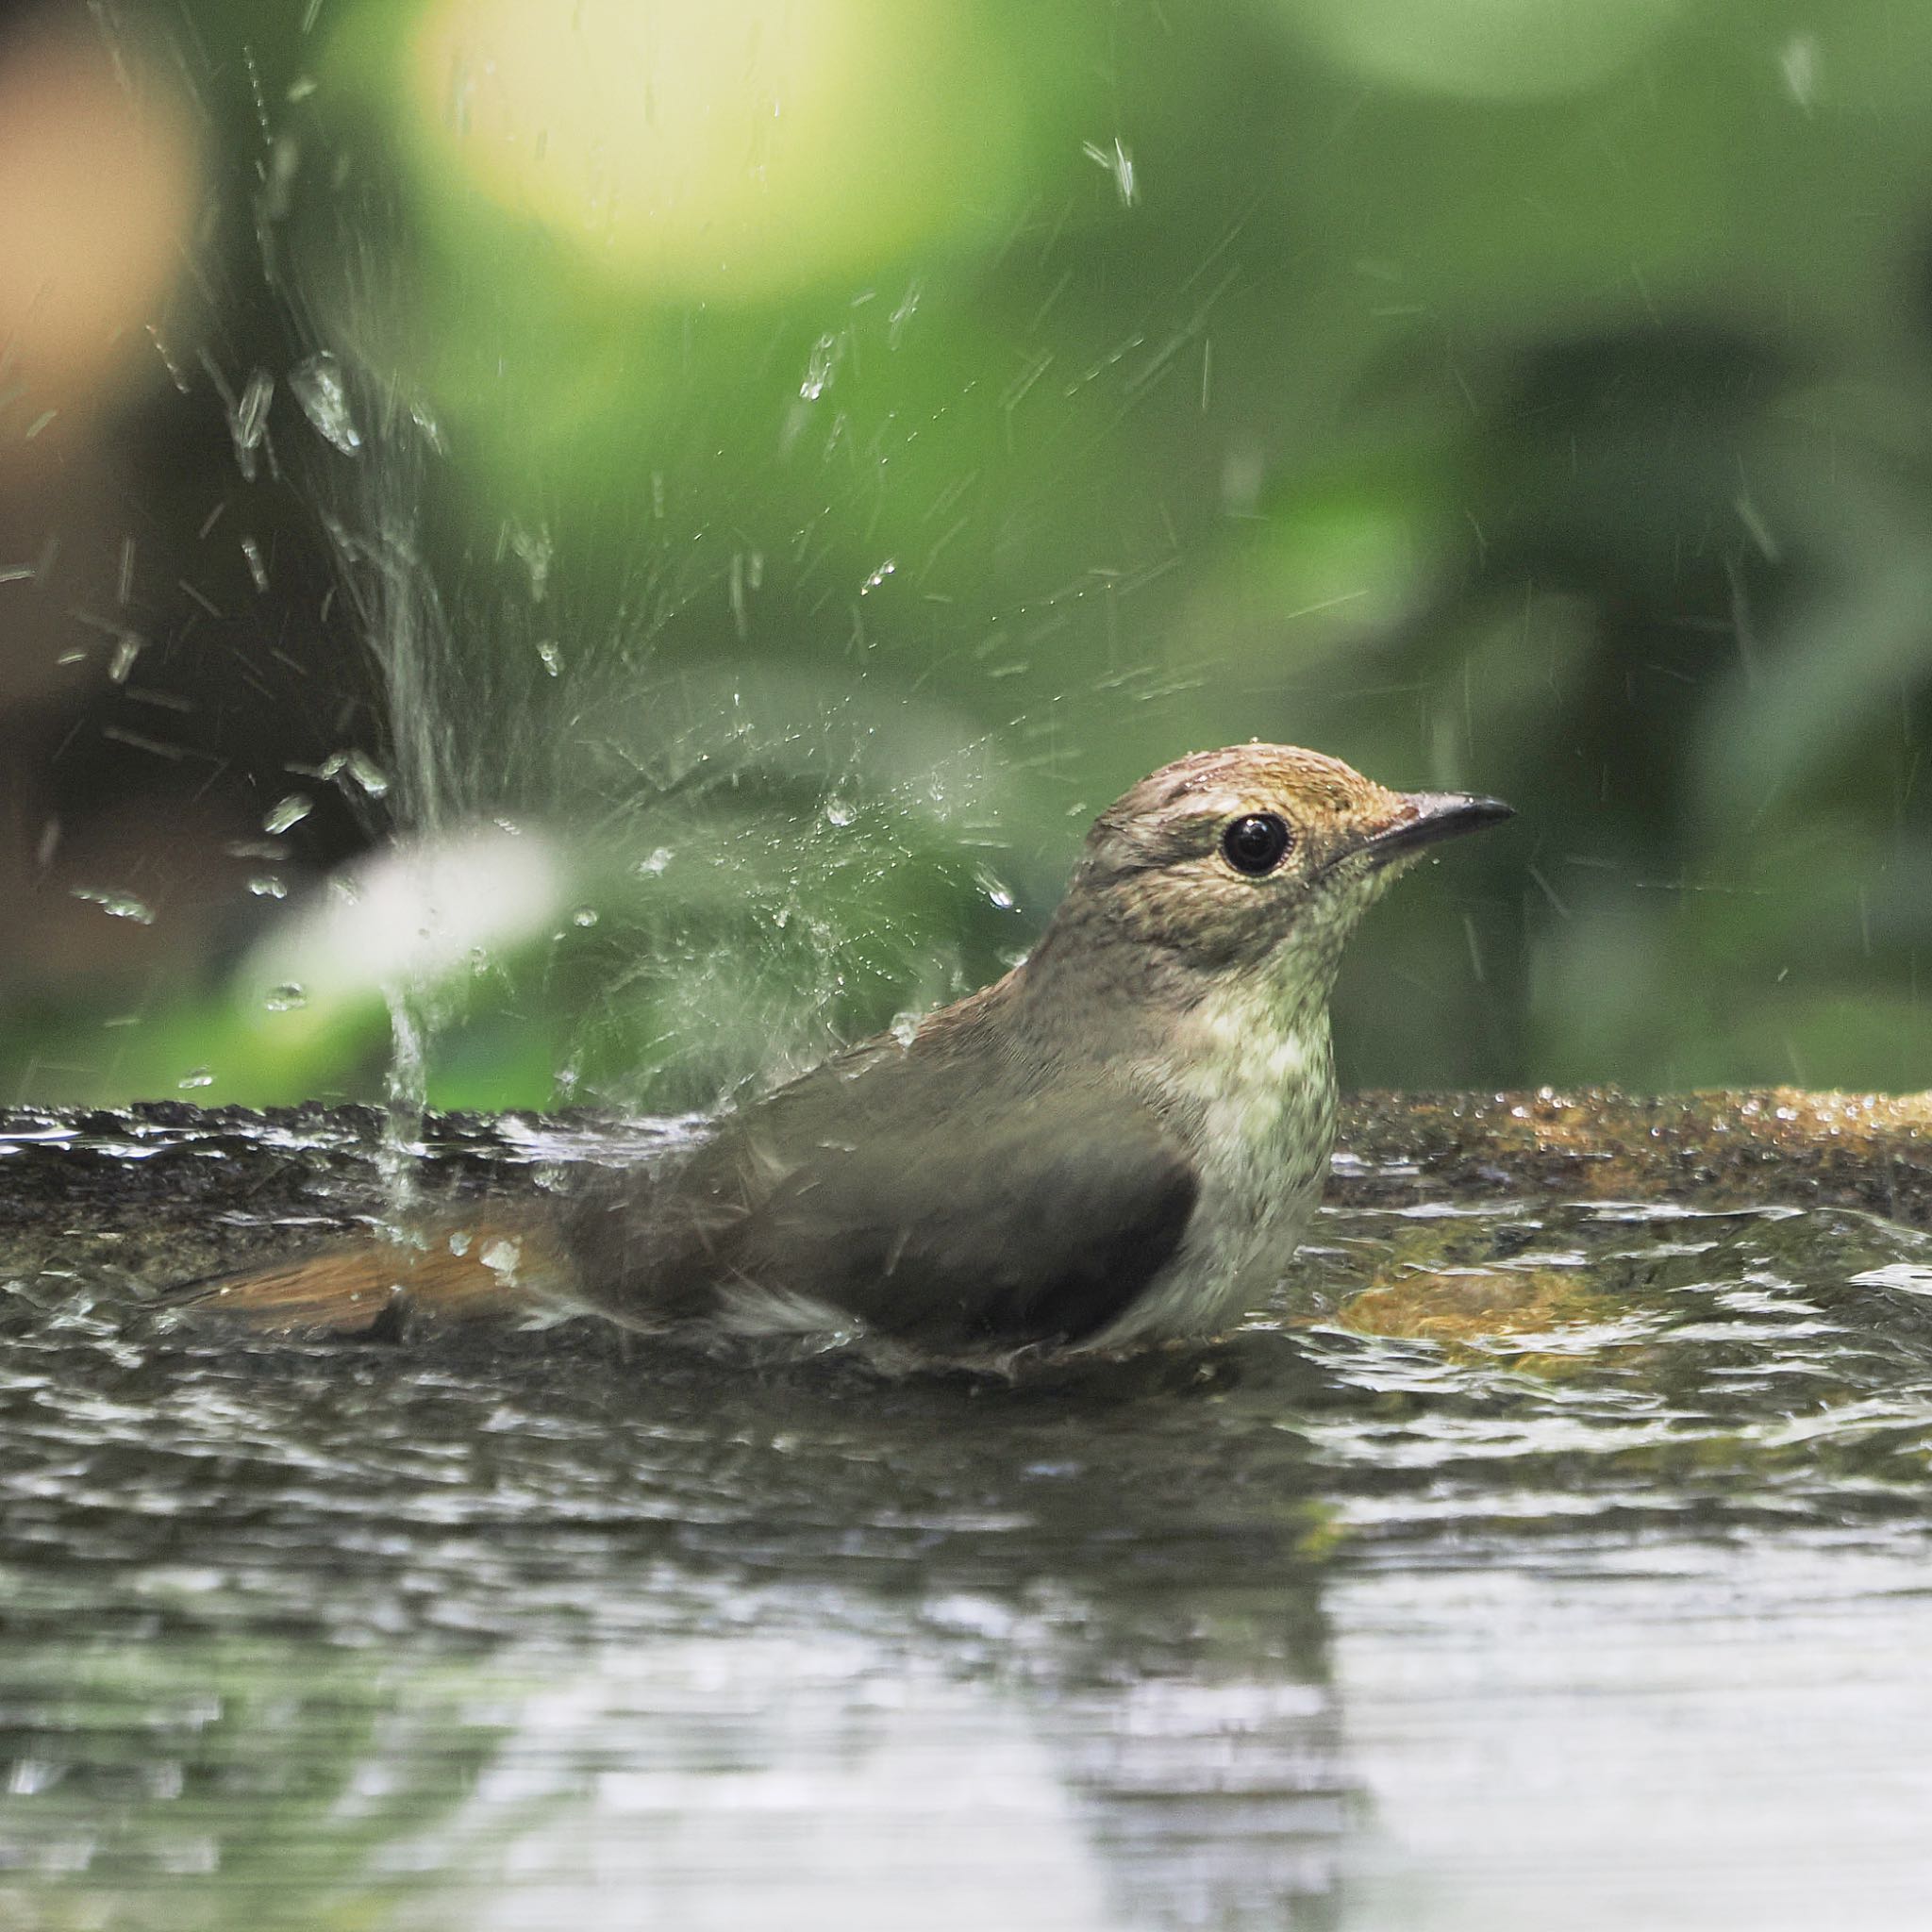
x,y
492,1263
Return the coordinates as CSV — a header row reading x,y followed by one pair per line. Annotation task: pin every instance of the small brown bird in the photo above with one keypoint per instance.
x,y
1120,1142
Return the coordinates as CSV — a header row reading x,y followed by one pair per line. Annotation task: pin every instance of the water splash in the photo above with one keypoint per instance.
x,y
116,904
820,368
322,392
287,814
406,1099
248,421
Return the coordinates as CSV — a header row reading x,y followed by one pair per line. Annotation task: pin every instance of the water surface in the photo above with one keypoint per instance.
x,y
1534,1562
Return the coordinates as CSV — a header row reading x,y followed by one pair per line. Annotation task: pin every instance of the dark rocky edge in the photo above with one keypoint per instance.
x,y
1752,1147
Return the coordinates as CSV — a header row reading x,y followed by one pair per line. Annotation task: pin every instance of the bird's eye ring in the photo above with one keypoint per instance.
x,y
1256,843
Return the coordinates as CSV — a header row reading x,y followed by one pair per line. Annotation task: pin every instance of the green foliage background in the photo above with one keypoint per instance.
x,y
1526,397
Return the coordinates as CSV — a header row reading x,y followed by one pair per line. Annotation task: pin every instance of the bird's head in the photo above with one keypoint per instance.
x,y
1260,853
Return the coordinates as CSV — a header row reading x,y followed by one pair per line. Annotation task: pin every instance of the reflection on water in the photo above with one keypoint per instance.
x,y
1539,1564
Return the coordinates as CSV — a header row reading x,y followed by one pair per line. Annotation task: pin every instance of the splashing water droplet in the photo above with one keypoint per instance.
x,y
879,576
1119,162
997,893
584,915
286,998
501,1258
117,905
323,396
840,812
902,316
248,420
128,645
195,1077
650,866
534,549
818,370
429,428
268,884
257,569
905,1028
551,658
367,774
288,811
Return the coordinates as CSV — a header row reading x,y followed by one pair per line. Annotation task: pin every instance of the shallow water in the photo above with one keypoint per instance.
x,y
1535,1563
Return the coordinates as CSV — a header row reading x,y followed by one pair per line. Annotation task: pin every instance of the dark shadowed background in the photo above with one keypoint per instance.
x,y
609,543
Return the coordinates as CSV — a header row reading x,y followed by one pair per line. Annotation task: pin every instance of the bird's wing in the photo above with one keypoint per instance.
x,y
951,1212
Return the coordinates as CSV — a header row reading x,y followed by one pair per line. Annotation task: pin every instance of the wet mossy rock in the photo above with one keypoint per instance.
x,y
1764,1145
134,1201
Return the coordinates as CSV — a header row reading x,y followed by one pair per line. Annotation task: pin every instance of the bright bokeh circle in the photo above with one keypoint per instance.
x,y
721,149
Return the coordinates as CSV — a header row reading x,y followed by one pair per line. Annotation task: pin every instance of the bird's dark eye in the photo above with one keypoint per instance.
x,y
1258,844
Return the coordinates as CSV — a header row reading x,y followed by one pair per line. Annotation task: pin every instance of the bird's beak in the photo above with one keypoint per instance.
x,y
1426,818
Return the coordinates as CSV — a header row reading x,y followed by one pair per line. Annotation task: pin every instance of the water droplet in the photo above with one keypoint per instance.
x,y
429,428
128,645
996,891
655,863
840,812
267,885
256,568
366,772
117,905
1118,162
818,370
736,594
534,550
197,1077
551,657
501,1258
286,998
879,576
288,811
901,316
904,1029
318,388
248,420
584,915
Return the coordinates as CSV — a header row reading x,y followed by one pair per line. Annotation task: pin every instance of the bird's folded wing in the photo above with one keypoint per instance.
x,y
1039,1219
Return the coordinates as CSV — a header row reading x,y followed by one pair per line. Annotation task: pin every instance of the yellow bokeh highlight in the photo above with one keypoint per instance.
x,y
730,149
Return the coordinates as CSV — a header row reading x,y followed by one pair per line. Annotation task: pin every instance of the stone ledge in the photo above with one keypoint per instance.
x,y
1750,1146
